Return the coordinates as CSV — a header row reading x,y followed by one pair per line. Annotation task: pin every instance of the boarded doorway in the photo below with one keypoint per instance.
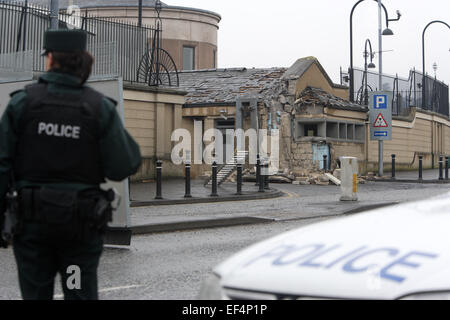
x,y
228,144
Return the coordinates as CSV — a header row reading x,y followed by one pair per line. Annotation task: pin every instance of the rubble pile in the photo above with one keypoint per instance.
x,y
315,96
299,178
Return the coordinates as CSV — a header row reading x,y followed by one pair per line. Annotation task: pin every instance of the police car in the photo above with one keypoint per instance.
x,y
398,252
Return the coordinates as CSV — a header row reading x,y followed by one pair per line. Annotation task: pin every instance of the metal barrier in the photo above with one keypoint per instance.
x,y
214,180
16,66
119,47
406,92
188,181
325,163
239,179
158,180
446,167
258,169
420,167
393,166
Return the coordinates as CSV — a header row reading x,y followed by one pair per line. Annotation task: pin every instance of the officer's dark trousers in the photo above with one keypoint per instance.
x,y
43,250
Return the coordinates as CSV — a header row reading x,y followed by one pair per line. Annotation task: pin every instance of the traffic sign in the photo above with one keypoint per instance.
x,y
380,122
380,115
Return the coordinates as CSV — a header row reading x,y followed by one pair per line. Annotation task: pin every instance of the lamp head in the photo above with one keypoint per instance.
x,y
371,65
387,32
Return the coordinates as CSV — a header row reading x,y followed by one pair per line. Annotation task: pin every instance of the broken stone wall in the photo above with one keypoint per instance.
x,y
301,159
347,149
276,111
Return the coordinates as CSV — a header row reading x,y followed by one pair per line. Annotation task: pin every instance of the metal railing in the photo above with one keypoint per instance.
x,y
16,66
22,29
436,94
406,92
119,47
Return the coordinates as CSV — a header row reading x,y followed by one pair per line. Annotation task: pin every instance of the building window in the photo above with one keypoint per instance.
x,y
341,131
188,58
214,59
310,130
348,131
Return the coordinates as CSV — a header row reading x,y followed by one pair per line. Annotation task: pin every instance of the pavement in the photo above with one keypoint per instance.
x,y
283,202
174,191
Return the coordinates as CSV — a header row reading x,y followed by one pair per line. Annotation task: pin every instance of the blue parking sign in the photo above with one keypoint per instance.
x,y
380,102
380,115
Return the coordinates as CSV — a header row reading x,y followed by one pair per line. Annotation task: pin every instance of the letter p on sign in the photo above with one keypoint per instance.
x,y
380,102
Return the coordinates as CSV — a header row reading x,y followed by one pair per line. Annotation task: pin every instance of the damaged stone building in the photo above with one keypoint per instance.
x,y
301,101
313,115
323,124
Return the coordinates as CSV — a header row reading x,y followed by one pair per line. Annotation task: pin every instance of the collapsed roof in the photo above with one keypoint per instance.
x,y
315,96
225,85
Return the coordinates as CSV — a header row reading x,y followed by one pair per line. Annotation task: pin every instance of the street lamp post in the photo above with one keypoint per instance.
x,y
140,13
370,66
387,31
380,87
423,59
54,14
424,91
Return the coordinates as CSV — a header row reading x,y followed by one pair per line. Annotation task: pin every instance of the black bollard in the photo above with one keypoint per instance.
x,y
325,163
258,170
129,189
420,167
214,180
441,168
266,177
446,167
239,179
393,166
188,181
158,180
261,179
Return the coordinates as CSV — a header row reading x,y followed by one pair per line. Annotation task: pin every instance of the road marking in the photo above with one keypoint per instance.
x,y
289,194
60,296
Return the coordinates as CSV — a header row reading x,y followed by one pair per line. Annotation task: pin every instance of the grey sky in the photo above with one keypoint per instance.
x,y
268,33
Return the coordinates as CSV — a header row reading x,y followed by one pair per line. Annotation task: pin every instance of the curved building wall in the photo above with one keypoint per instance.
x,y
182,27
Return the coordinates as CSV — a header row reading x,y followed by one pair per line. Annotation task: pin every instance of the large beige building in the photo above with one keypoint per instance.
x,y
189,34
312,113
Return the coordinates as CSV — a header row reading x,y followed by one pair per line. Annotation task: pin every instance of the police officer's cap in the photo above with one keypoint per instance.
x,y
65,41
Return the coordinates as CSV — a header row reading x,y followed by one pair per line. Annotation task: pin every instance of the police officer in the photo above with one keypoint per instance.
x,y
59,140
